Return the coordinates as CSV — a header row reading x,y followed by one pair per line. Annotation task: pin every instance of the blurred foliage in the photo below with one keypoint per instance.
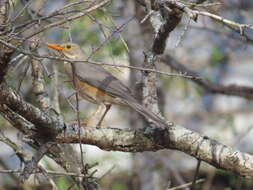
x,y
118,186
92,31
62,183
216,56
231,124
117,181
200,91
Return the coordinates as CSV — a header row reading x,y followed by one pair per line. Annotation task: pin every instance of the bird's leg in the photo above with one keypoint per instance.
x,y
107,108
90,117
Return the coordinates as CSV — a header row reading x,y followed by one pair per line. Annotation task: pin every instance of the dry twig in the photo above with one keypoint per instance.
x,y
186,185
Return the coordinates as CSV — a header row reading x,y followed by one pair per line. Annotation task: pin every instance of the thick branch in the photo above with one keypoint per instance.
x,y
178,138
60,153
46,125
170,19
232,90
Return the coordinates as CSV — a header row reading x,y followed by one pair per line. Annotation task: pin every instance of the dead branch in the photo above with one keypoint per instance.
x,y
231,90
193,14
186,185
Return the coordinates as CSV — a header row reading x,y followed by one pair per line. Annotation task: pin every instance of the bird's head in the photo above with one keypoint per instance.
x,y
69,50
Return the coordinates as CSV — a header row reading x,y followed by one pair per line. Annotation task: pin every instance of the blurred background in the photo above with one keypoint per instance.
x,y
115,35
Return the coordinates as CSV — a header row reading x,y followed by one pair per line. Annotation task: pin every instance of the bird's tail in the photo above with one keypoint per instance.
x,y
149,115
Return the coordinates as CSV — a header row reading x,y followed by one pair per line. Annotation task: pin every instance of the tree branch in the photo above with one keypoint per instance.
x,y
193,14
47,126
38,83
231,90
163,23
178,137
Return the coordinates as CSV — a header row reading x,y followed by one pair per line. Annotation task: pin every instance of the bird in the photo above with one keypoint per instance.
x,y
97,85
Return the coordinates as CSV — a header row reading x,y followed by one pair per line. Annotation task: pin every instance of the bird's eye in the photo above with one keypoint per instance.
x,y
68,46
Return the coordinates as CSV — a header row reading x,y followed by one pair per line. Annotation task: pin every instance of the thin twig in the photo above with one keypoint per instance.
x,y
81,14
17,149
196,174
182,35
107,172
55,173
23,75
45,173
72,5
239,137
109,37
186,185
4,166
32,164
227,22
21,11
193,14
232,89
36,56
77,113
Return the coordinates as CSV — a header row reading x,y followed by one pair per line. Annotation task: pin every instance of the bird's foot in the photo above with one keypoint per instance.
x,y
82,123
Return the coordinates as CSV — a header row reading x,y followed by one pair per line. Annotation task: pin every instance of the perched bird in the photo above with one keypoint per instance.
x,y
99,86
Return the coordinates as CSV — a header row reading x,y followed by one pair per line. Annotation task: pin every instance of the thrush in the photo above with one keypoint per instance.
x,y
99,86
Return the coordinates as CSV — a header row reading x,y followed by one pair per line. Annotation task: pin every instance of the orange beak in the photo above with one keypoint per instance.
x,y
55,46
